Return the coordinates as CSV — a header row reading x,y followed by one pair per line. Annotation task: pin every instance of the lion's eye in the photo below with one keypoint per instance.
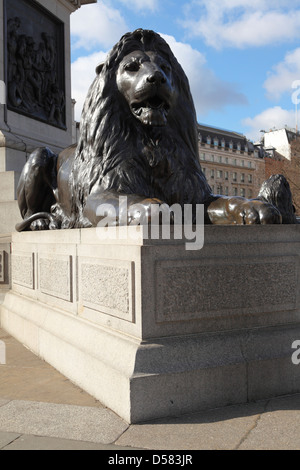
x,y
132,66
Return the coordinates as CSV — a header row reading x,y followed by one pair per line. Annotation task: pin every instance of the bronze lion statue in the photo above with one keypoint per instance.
x,y
138,137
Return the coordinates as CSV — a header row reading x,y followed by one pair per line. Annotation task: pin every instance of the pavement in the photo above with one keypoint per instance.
x,y
40,409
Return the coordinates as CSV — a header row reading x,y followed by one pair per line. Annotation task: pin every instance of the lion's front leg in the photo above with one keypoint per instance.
x,y
36,190
110,208
240,211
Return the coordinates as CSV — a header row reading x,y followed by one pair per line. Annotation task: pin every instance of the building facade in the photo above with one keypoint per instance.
x,y
231,163
279,140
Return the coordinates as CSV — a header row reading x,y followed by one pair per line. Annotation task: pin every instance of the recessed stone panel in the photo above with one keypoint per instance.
x,y
23,269
2,267
107,286
197,289
55,276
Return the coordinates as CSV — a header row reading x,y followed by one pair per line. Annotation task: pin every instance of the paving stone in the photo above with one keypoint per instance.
x,y
27,377
65,421
278,428
7,438
28,442
211,430
3,401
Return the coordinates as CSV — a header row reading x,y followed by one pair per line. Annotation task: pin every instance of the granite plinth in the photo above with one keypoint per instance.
x,y
152,329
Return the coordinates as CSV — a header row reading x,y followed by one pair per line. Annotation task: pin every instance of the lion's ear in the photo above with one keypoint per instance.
x,y
99,68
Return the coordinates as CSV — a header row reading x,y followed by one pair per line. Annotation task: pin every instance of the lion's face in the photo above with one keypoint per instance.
x,y
145,80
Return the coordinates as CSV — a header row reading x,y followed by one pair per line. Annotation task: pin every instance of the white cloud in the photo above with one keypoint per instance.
x,y
240,24
83,74
275,117
97,25
209,92
284,73
141,5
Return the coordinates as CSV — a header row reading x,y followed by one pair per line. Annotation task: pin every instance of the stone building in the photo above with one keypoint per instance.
x,y
231,163
279,140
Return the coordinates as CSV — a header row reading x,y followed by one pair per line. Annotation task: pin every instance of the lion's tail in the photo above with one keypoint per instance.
x,y
25,224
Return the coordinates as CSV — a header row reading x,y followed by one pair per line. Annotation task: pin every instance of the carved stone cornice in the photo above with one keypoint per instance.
x,y
74,5
79,3
13,141
9,140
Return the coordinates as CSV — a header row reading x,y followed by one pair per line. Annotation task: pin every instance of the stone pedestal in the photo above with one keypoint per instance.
x,y
26,124
5,253
152,329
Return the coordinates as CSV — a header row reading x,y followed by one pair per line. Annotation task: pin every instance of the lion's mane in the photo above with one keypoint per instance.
x,y
117,152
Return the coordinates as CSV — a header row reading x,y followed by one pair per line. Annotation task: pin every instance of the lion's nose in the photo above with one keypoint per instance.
x,y
156,77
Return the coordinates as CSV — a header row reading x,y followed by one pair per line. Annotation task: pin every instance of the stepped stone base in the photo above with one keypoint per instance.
x,y
152,329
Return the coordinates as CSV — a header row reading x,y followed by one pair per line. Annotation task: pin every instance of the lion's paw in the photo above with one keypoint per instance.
x,y
254,211
39,224
146,211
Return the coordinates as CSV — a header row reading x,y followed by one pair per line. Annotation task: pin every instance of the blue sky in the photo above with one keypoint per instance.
x,y
241,56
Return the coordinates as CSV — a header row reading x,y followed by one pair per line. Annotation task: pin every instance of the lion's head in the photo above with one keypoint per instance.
x,y
138,126
145,80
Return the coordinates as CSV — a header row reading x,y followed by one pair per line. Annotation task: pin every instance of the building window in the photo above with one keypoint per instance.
x,y
226,175
242,178
216,142
250,192
246,148
249,178
203,170
226,160
219,173
212,173
235,162
231,144
235,191
220,159
202,156
208,140
212,158
243,163
226,190
243,192
223,143
249,164
234,176
238,146
200,137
